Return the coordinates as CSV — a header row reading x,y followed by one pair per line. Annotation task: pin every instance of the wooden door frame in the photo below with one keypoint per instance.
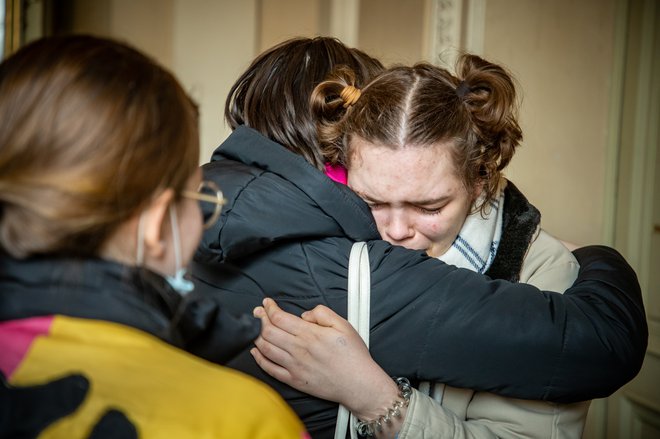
x,y
632,149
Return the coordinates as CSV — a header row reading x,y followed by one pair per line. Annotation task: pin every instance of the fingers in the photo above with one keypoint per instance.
x,y
278,345
273,352
321,315
271,368
324,316
283,320
273,341
271,357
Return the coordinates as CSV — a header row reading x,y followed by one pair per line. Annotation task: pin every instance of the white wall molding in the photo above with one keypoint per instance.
x,y
614,122
452,26
344,18
645,139
442,31
475,26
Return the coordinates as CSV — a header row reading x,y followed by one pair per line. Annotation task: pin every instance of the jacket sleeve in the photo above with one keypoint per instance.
x,y
491,416
457,327
426,418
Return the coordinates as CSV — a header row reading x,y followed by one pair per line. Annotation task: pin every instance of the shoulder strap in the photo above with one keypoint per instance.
x,y
359,289
359,304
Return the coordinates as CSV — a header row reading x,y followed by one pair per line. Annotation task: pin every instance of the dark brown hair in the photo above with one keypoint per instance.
x,y
90,129
272,96
425,105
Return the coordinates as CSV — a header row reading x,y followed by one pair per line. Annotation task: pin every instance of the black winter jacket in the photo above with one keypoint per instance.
x,y
137,297
286,233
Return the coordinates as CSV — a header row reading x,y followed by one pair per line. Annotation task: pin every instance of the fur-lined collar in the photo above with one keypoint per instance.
x,y
520,222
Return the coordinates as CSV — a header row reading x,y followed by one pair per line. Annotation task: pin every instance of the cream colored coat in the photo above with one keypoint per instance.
x,y
463,413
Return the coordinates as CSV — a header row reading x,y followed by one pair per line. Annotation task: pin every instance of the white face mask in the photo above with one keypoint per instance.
x,y
178,282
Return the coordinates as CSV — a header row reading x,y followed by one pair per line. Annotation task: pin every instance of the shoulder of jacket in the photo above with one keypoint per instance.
x,y
548,264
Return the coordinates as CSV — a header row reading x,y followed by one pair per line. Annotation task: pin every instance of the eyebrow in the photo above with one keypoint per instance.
x,y
366,197
426,202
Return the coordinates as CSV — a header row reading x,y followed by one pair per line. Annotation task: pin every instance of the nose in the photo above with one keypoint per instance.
x,y
398,227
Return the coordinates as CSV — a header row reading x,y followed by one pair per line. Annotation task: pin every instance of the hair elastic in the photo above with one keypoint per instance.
x,y
350,95
462,89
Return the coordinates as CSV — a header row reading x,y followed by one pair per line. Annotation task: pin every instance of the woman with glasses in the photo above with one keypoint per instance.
x,y
287,231
99,200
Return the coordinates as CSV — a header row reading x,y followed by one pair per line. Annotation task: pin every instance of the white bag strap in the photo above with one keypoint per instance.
x,y
359,289
359,304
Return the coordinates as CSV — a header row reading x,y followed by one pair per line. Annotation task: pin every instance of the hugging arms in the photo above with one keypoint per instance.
x,y
287,231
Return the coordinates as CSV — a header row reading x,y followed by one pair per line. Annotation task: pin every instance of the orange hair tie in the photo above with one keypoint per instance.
x,y
350,95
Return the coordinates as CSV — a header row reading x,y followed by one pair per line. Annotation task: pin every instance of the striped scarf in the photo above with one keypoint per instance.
x,y
476,244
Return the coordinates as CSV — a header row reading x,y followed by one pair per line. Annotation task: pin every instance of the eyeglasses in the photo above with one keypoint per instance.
x,y
210,200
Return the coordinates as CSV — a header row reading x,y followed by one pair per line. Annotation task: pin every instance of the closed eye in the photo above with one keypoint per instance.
x,y
427,211
375,206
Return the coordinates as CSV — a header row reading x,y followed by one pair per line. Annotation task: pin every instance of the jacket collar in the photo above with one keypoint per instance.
x,y
349,211
520,222
104,290
86,288
274,196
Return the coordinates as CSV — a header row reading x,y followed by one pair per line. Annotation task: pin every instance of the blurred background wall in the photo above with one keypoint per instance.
x,y
587,72
564,64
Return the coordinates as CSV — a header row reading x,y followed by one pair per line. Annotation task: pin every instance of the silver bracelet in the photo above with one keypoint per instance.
x,y
369,428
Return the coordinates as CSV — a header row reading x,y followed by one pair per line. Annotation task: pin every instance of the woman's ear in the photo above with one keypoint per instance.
x,y
154,224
